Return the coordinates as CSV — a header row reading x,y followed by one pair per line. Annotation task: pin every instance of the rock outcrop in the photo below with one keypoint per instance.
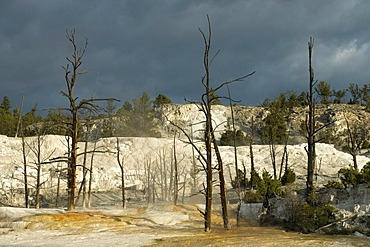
x,y
152,158
144,156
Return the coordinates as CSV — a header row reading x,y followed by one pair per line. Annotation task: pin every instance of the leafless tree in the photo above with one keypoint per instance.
x,y
120,162
195,169
205,105
177,173
90,176
162,167
24,156
237,174
40,159
24,152
251,141
72,72
311,127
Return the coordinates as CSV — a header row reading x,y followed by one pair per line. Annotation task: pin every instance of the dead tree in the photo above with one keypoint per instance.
x,y
38,162
220,169
194,169
311,128
251,155
176,173
120,163
84,173
72,72
37,152
90,177
237,174
204,106
162,167
24,154
25,176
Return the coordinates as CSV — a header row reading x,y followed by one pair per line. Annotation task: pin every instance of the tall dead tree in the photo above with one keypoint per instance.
x,y
251,140
205,105
71,80
72,72
25,176
176,172
221,178
37,152
310,126
24,156
237,173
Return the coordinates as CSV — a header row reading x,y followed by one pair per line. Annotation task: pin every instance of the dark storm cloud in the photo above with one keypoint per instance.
x,y
155,46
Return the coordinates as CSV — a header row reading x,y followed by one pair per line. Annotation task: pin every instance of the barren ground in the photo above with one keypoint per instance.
x,y
164,225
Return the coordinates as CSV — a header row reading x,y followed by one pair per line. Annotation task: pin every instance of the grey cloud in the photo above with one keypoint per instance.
x,y
155,46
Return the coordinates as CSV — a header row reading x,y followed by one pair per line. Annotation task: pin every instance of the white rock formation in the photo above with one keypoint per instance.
x,y
141,155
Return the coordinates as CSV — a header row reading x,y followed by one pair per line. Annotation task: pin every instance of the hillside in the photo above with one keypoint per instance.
x,y
184,115
148,162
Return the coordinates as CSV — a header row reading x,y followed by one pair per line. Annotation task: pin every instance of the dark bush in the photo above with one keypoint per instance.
x,y
349,176
334,184
365,173
227,138
288,177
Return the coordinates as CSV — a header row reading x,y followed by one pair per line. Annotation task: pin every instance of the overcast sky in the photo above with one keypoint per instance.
x,y
156,47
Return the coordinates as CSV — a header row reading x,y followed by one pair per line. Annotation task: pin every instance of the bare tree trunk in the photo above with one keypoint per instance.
x,y
71,80
205,106
171,191
58,187
244,175
311,125
73,164
184,189
74,107
161,175
251,154
176,176
19,124
83,182
120,163
153,188
84,172
351,144
285,154
225,216
90,177
237,175
272,148
25,176
38,171
148,181
194,167
123,188
208,142
165,176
